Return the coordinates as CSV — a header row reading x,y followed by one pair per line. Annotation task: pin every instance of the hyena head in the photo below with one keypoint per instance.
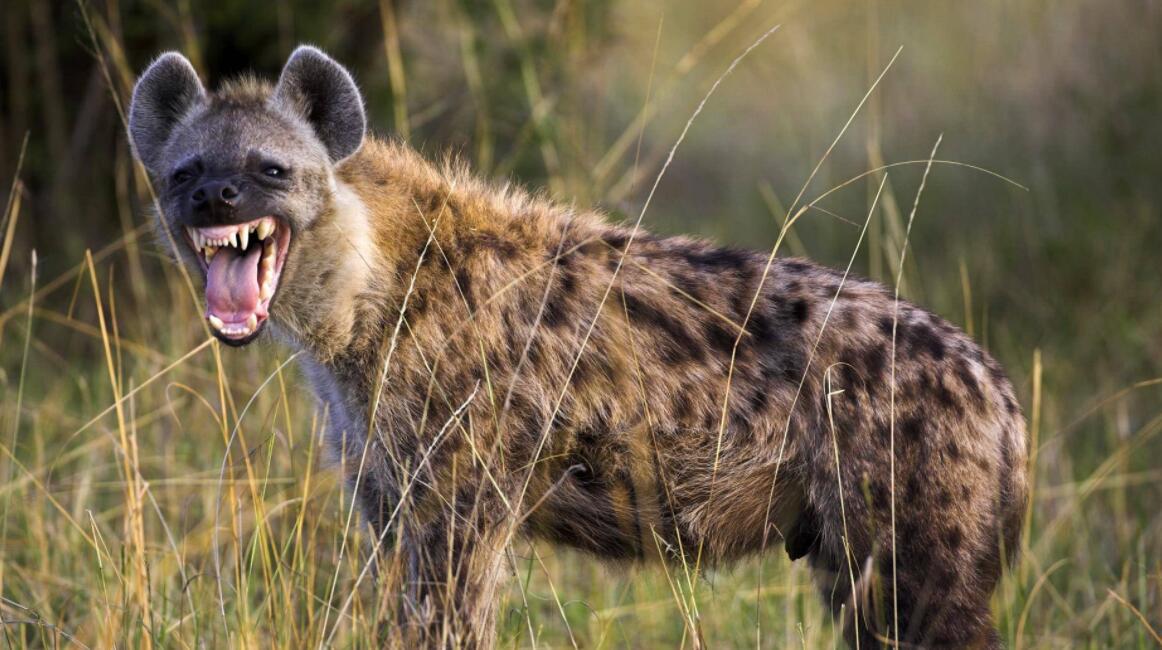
x,y
245,178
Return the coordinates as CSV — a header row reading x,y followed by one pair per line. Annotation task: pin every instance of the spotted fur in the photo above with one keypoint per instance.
x,y
495,364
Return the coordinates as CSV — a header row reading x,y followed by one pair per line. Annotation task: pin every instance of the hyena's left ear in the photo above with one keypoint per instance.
x,y
313,85
166,91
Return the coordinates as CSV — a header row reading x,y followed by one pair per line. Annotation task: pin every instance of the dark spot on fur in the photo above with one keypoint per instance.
x,y
502,248
795,267
644,313
912,428
947,398
719,338
914,488
536,353
616,240
690,288
582,371
873,360
761,329
790,363
880,494
955,537
554,313
885,326
717,259
495,361
848,318
759,399
970,383
953,450
590,368
464,280
921,339
944,497
800,310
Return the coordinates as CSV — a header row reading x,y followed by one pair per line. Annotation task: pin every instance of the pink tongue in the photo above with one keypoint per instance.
x,y
232,284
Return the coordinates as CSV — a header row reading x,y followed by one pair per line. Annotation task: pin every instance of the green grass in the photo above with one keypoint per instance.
x,y
126,519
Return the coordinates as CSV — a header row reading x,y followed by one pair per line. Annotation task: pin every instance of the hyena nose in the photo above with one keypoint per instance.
x,y
215,195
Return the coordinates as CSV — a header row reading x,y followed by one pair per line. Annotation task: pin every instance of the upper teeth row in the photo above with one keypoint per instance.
x,y
239,238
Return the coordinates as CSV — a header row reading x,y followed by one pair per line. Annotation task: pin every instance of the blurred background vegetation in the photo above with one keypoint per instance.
x,y
127,517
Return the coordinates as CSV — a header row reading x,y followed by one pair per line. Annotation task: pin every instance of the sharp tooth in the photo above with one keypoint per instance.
x,y
265,228
193,236
233,239
243,237
216,322
251,323
210,251
265,291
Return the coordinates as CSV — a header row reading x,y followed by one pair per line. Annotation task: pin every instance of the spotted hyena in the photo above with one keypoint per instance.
x,y
494,364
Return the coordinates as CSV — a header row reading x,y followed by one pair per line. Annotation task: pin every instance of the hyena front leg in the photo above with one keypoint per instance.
x,y
446,572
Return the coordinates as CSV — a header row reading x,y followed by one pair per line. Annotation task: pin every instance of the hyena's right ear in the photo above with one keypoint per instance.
x,y
316,87
165,92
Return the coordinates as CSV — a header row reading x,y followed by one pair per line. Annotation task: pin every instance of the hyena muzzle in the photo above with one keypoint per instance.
x,y
493,364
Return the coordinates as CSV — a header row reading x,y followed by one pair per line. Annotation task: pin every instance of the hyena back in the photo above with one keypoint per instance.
x,y
494,364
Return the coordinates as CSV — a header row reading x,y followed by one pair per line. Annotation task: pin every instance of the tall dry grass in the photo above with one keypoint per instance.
x,y
159,490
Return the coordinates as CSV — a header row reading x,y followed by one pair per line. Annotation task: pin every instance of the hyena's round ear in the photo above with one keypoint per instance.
x,y
166,91
321,91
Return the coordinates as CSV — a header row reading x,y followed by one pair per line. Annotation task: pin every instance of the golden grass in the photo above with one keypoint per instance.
x,y
157,495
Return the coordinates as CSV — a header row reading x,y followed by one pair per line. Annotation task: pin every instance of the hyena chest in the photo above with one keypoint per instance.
x,y
344,415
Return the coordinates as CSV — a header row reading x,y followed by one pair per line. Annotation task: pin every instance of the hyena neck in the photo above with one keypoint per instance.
x,y
333,290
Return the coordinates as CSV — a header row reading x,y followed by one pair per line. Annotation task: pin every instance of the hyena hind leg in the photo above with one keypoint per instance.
x,y
931,605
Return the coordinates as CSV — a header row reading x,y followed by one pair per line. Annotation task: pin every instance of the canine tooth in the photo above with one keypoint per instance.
x,y
265,291
265,228
233,239
251,323
210,251
243,237
217,323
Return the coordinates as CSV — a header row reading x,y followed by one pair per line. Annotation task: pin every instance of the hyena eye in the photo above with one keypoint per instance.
x,y
181,176
274,171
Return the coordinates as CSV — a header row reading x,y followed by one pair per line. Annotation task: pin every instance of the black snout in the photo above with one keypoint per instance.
x,y
218,198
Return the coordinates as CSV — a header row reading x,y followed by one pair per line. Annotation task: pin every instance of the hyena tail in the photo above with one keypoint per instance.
x,y
1014,493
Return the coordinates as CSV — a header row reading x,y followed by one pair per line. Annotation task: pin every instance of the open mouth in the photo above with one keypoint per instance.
x,y
242,264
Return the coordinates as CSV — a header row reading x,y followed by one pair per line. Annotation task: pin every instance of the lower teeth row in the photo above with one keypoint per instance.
x,y
233,330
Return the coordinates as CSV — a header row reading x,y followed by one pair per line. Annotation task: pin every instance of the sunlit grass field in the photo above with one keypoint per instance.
x,y
161,490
